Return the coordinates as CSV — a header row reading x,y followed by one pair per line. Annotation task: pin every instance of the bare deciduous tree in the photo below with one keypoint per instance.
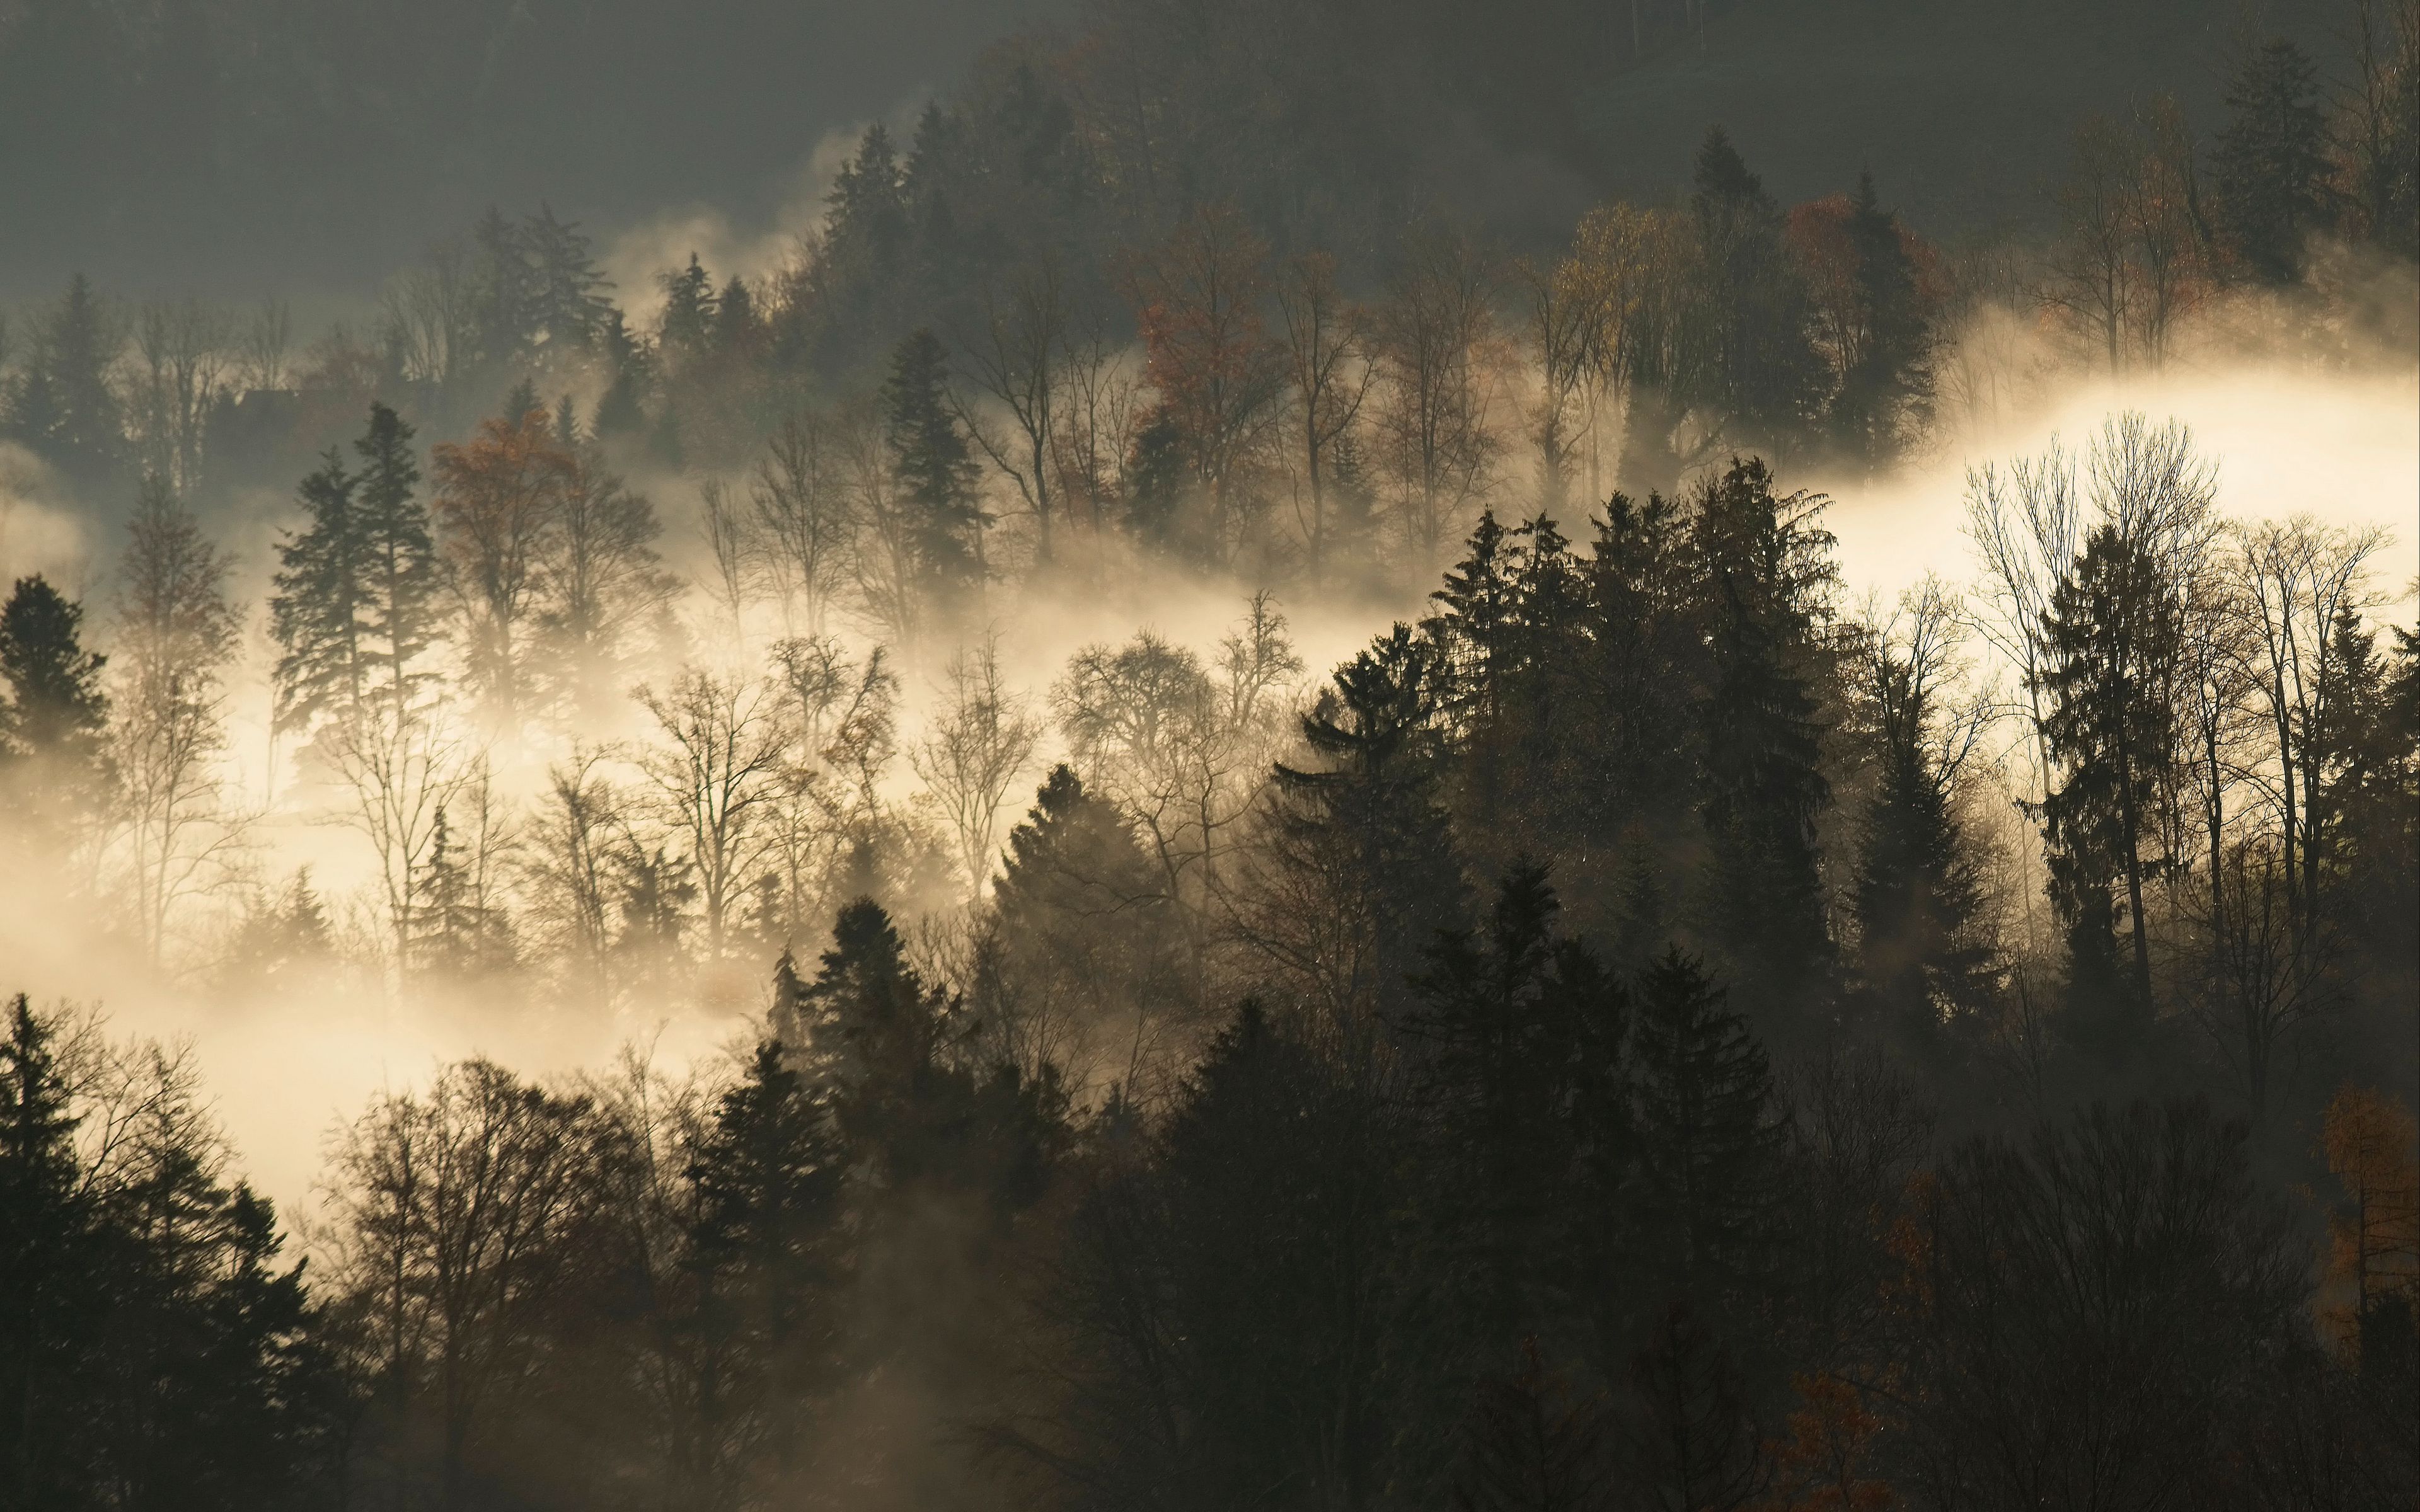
x,y
1434,387
184,353
572,868
981,740
1328,369
804,526
460,1216
716,781
1019,360
177,634
401,768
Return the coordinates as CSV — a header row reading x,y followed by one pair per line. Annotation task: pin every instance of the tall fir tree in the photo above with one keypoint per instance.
x,y
1766,567
1918,891
1711,1141
51,751
2112,639
315,605
2273,161
63,405
1755,364
400,606
935,465
1364,834
1886,394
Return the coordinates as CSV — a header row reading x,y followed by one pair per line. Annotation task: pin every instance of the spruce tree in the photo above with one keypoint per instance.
x,y
399,603
567,301
1081,914
1711,1139
1766,567
935,467
1525,1087
684,332
1750,320
51,727
767,1257
2274,161
1642,658
63,406
1365,829
1918,891
52,1289
1886,388
619,412
2111,641
315,603
1281,1192
56,707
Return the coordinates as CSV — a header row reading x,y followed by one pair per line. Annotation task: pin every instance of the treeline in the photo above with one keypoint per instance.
x,y
1233,369
1613,1055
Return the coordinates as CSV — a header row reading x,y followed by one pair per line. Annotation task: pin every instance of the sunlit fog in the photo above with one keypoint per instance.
x,y
1146,756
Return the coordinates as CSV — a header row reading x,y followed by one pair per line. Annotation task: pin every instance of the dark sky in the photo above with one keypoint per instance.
x,y
237,147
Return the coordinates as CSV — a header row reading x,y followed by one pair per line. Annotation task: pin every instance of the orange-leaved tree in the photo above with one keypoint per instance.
x,y
2375,1259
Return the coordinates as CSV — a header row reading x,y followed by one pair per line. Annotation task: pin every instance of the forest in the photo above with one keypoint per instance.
x,y
1182,819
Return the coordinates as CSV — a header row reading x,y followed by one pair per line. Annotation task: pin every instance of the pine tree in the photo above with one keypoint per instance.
x,y
1364,834
314,606
2110,640
51,729
1886,391
51,1284
1711,1140
934,466
399,608
766,1256
2274,161
1918,891
1766,567
63,406
1756,361
684,332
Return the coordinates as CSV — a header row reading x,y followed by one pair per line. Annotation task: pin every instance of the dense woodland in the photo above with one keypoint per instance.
x,y
1652,1031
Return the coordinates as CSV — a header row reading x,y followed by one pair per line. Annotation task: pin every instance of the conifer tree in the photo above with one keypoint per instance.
x,y
1918,891
314,607
765,1254
1082,916
398,603
1642,658
619,412
51,1295
1886,391
684,331
1765,565
1364,835
51,727
1530,1109
1754,361
2111,640
1711,1139
935,467
2274,161
62,405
